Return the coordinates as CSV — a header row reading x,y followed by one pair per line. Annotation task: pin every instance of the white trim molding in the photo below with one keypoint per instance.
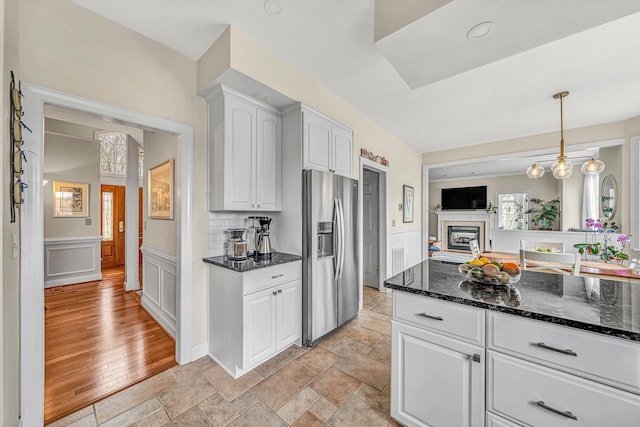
x,y
634,149
160,284
32,234
71,260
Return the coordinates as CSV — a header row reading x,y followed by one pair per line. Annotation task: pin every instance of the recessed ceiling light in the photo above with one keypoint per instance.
x,y
481,30
261,96
272,7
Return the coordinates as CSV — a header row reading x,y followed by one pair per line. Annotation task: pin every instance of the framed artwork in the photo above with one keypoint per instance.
x,y
160,191
407,206
70,199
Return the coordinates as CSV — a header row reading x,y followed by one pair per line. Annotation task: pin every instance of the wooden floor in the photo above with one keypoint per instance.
x,y
98,340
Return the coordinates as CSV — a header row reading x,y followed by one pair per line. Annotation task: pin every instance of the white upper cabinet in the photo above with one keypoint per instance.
x,y
245,151
327,145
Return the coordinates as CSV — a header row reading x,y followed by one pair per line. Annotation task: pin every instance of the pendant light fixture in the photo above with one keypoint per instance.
x,y
535,171
592,167
562,167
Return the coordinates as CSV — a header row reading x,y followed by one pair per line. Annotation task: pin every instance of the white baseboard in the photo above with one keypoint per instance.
x,y
73,280
159,316
200,350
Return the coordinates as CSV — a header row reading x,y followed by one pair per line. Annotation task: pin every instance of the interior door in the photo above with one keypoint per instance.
x,y
112,225
370,227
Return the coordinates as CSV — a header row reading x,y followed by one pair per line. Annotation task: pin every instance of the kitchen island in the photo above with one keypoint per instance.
x,y
548,350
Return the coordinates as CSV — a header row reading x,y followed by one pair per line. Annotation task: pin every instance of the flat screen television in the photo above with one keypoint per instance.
x,y
464,198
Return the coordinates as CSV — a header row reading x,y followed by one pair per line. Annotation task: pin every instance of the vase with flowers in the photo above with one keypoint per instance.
x,y
605,250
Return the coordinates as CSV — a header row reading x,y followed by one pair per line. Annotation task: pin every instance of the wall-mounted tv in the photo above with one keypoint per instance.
x,y
464,198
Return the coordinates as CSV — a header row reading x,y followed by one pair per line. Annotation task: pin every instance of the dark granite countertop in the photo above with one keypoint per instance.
x,y
610,307
252,263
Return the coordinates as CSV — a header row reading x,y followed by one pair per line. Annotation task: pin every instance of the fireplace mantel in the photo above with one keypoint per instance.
x,y
462,218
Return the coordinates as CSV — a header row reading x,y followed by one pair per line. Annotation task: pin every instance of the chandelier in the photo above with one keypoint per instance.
x,y
562,167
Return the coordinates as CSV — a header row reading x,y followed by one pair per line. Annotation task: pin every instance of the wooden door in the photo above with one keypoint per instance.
x,y
112,210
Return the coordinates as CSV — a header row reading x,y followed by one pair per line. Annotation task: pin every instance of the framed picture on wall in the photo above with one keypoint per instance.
x,y
160,191
407,205
70,199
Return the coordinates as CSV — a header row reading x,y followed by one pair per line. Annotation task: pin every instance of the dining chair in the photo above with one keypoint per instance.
x,y
534,246
550,262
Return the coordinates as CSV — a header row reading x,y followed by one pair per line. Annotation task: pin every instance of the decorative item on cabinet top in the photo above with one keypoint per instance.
x,y
369,155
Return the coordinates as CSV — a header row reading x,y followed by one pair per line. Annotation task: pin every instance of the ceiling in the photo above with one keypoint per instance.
x,y
489,89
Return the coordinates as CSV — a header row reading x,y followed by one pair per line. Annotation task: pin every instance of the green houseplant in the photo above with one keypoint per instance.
x,y
544,213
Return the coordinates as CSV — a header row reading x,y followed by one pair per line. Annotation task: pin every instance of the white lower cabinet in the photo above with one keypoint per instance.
x,y
253,316
535,395
536,373
436,380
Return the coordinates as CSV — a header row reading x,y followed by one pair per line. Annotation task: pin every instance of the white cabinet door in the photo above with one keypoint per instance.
x,y
342,148
239,154
289,314
268,164
316,137
435,381
259,327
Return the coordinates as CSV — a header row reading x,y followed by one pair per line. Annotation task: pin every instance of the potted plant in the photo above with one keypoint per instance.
x,y
545,213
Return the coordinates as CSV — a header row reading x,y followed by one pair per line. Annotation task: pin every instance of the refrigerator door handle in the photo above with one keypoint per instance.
x,y
342,238
337,255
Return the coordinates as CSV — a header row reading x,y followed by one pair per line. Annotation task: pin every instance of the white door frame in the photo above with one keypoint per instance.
x,y
32,235
382,218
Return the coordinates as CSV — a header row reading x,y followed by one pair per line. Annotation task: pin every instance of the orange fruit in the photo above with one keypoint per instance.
x,y
510,265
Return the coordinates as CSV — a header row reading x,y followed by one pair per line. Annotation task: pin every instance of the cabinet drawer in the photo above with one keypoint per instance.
x,y
608,360
538,396
263,278
455,320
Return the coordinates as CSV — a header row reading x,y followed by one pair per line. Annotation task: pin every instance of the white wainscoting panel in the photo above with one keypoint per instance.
x,y
410,243
71,260
160,287
509,241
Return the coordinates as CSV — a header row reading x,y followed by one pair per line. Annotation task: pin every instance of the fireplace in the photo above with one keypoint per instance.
x,y
458,236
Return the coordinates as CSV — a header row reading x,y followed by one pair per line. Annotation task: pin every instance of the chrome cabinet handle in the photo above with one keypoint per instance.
x,y
277,275
559,350
428,316
279,291
476,357
275,293
567,414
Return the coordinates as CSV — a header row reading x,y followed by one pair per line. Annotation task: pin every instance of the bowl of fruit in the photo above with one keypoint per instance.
x,y
489,272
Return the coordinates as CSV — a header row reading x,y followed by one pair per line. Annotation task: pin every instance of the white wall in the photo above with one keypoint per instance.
x,y
73,160
158,233
98,59
248,57
544,188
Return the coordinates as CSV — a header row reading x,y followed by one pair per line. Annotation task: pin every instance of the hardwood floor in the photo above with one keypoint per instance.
x,y
98,340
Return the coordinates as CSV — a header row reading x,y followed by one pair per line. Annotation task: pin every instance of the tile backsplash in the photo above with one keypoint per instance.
x,y
218,223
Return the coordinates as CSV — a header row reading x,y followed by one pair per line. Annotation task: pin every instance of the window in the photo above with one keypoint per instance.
x,y
107,216
113,154
511,211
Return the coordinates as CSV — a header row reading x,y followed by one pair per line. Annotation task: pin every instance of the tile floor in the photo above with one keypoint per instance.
x,y
343,381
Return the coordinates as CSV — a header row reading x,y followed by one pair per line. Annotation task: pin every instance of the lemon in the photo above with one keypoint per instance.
x,y
484,260
476,262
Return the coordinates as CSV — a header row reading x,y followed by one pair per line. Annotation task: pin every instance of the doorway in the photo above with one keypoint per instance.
x,y
375,261
112,226
32,236
371,227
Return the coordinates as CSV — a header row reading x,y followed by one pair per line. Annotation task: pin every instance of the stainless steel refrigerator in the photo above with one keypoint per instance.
x,y
330,274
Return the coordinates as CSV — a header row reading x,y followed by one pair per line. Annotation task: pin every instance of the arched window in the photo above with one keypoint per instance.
x,y
113,154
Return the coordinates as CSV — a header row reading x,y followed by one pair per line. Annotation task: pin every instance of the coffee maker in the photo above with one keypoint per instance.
x,y
264,249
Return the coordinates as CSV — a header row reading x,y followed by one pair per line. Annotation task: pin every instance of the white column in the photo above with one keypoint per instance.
x,y
131,217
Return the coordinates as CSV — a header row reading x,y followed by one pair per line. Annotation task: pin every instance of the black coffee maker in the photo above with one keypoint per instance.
x,y
264,249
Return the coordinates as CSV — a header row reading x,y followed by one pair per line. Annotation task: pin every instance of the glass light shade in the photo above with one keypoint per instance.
x,y
562,168
535,171
592,167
